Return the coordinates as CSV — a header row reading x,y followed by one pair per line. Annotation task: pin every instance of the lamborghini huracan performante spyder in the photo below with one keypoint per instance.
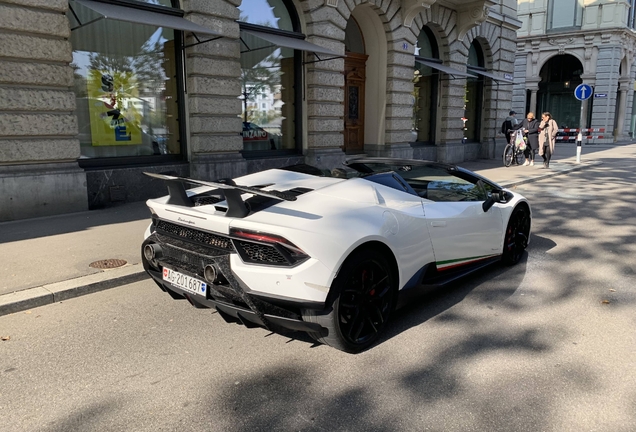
x,y
298,249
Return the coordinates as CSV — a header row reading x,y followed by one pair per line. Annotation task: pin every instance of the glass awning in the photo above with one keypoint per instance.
x,y
489,75
277,40
140,16
456,73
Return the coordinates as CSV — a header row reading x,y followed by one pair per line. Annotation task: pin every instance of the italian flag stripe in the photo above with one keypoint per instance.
x,y
445,265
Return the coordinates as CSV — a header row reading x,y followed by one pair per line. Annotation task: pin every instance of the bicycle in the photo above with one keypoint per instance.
x,y
512,152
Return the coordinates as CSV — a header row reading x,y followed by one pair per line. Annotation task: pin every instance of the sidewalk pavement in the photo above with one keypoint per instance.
x,y
47,260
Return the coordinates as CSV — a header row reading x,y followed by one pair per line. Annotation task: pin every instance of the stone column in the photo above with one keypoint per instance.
x,y
533,101
607,77
214,87
39,174
324,92
620,133
399,91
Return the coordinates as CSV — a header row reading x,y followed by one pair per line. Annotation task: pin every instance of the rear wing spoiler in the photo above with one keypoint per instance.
x,y
235,205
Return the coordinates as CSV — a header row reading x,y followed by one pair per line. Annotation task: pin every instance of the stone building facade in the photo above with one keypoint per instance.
x,y
566,43
88,103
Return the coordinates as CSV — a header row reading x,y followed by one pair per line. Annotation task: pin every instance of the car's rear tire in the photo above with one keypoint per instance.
x,y
516,236
364,295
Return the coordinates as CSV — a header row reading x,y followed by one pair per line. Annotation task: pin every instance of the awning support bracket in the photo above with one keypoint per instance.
x,y
80,22
199,41
321,60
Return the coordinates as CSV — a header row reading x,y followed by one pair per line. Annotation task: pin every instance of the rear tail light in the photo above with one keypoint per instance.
x,y
289,253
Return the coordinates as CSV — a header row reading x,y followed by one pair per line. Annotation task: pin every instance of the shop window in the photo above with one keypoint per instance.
x,y
271,72
125,82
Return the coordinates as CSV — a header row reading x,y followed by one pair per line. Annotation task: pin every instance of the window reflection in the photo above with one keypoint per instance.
x,y
425,80
266,13
473,95
566,13
267,78
125,85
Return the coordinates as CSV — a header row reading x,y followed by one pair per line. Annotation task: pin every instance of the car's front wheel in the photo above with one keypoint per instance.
x,y
517,233
365,294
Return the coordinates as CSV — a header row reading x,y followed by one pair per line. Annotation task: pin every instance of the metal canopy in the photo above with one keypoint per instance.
x,y
490,75
446,69
287,42
139,16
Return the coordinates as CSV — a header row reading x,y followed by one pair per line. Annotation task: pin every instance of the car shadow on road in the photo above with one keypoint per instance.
x,y
503,281
490,286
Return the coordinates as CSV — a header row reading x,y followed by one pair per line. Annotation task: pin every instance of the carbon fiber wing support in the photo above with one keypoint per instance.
x,y
232,192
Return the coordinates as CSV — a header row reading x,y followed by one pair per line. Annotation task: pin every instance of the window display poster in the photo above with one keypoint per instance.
x,y
109,125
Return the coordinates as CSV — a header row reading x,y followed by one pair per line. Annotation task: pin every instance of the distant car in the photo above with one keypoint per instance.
x,y
257,138
292,249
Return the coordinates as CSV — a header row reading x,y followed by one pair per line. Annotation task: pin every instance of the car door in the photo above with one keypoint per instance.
x,y
460,230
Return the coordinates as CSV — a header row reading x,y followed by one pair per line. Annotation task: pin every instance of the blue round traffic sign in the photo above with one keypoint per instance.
x,y
582,92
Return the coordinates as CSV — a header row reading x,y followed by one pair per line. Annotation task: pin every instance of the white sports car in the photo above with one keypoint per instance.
x,y
331,255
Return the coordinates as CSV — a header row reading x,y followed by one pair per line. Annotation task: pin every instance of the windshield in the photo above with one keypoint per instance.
x,y
436,182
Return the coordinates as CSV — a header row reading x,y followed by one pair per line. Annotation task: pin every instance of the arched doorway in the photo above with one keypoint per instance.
x,y
365,42
355,86
474,95
559,77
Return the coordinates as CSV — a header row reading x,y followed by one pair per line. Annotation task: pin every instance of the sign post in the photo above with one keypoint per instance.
x,y
582,92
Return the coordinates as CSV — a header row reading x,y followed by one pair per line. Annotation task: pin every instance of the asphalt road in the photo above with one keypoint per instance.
x,y
547,345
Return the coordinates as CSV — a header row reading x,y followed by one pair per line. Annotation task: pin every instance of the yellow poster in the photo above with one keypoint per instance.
x,y
109,124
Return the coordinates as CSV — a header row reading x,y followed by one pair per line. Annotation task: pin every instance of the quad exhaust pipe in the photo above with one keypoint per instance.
x,y
211,274
152,251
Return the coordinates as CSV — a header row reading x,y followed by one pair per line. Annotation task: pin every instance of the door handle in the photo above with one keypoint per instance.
x,y
438,223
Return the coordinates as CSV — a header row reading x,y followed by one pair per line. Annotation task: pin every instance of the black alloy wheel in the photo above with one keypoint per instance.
x,y
364,305
366,295
517,233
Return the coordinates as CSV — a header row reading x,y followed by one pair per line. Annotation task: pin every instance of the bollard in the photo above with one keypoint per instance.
x,y
579,138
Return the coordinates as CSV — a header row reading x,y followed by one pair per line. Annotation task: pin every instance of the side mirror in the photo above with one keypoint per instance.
x,y
495,197
488,203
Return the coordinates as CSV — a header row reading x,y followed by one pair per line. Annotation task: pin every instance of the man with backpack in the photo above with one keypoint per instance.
x,y
509,124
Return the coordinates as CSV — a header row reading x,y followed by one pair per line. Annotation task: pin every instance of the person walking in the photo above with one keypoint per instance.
x,y
509,124
530,127
547,137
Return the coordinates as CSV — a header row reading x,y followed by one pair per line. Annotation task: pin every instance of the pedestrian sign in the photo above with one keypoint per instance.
x,y
582,92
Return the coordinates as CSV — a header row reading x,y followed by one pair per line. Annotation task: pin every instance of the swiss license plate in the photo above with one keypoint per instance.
x,y
185,282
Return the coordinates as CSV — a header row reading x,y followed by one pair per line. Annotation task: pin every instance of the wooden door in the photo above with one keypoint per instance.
x,y
355,76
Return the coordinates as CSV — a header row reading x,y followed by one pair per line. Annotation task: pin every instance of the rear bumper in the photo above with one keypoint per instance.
x,y
233,301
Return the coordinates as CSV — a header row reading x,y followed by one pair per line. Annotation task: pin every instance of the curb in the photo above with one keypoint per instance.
x,y
60,291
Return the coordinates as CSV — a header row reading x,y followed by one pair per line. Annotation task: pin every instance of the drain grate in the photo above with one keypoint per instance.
x,y
107,263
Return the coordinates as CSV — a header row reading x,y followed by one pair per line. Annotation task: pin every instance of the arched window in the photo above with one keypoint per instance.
x,y
425,88
474,95
270,77
354,41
